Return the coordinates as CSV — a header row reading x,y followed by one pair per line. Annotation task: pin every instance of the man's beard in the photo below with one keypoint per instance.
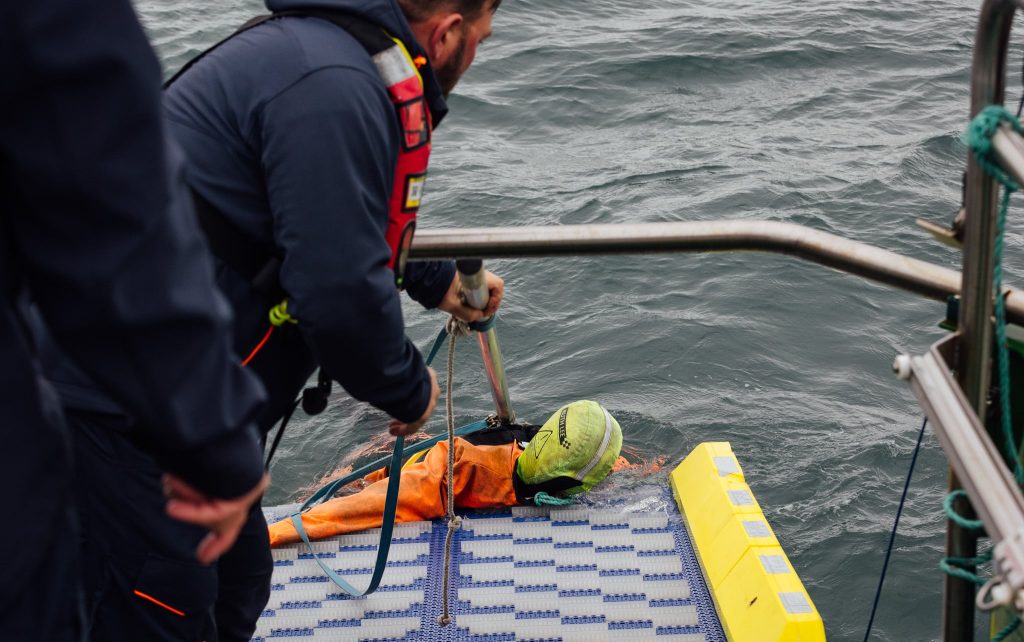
x,y
448,75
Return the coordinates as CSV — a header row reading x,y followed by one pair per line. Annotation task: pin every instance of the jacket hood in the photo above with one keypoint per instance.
x,y
388,15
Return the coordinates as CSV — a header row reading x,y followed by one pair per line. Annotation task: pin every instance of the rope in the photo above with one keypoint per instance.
x,y
456,328
1007,630
543,499
957,518
957,567
979,139
895,526
394,463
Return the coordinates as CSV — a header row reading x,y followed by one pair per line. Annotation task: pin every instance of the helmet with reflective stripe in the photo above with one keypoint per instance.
x,y
579,442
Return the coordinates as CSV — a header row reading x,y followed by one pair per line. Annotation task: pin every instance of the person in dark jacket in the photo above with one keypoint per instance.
x,y
293,143
98,238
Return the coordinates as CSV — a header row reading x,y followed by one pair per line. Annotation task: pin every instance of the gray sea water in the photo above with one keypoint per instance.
x,y
841,116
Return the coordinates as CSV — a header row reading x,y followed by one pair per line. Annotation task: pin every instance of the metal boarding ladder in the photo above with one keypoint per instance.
x,y
953,406
968,448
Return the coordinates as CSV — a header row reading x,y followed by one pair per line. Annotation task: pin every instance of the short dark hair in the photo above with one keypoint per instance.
x,y
418,10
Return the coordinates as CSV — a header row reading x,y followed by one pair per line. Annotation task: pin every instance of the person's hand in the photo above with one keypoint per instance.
x,y
402,429
224,517
453,303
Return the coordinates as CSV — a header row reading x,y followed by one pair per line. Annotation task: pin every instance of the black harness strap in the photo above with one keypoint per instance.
x,y
372,37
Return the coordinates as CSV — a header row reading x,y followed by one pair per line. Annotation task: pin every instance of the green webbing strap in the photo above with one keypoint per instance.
x,y
387,526
390,499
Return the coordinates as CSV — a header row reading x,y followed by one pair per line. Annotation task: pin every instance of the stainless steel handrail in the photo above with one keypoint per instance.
x,y
973,364
871,262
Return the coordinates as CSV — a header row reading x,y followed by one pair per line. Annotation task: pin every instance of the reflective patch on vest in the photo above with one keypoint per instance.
x,y
413,192
562,438
415,124
394,65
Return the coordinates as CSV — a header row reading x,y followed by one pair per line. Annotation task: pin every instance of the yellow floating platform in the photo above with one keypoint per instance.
x,y
758,595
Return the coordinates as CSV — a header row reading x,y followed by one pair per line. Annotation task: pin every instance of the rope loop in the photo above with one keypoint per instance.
x,y
979,138
958,567
543,499
278,315
456,327
957,518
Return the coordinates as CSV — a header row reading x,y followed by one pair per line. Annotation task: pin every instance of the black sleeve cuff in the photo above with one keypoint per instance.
x,y
428,281
413,407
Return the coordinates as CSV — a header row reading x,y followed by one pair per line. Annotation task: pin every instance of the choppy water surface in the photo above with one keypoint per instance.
x,y
842,116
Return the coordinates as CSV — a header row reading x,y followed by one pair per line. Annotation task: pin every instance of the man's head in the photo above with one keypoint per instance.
x,y
573,451
449,31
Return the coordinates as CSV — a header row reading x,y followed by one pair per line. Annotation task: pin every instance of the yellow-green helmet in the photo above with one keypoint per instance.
x,y
579,443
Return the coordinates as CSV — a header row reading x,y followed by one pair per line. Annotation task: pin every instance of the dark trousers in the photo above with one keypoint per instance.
x,y
141,577
40,577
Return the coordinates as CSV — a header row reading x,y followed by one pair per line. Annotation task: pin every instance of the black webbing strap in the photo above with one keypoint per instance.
x,y
372,37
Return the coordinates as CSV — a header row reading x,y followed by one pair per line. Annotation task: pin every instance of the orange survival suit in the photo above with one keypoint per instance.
x,y
483,479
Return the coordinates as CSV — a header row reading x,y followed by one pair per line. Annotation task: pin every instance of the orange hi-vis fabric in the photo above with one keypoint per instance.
x,y
483,479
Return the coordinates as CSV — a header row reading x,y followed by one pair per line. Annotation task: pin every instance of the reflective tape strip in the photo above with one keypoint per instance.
x,y
600,451
756,529
795,603
394,66
741,498
726,466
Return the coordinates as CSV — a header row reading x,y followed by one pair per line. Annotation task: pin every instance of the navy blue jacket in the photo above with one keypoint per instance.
x,y
290,134
93,232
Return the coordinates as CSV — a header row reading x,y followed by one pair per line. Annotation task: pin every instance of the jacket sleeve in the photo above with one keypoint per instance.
x,y
329,151
112,255
428,281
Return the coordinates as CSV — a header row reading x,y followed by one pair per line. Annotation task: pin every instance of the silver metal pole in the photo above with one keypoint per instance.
x,y
871,262
973,368
474,288
1009,148
976,460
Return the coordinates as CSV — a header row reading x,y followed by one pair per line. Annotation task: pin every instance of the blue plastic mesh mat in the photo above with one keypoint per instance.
x,y
575,574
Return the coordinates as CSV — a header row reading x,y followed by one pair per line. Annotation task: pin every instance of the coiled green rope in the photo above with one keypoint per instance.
x,y
979,138
1007,630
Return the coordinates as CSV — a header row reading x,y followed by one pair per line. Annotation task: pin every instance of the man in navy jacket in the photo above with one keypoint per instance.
x,y
292,140
291,137
95,235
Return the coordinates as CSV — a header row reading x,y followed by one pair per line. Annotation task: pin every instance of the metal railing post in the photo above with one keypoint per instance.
x,y
988,73
474,287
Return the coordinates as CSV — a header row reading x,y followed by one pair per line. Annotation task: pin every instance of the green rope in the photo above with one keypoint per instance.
x,y
1007,630
979,139
958,567
957,518
543,499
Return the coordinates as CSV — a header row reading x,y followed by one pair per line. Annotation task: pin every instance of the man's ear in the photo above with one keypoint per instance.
x,y
445,38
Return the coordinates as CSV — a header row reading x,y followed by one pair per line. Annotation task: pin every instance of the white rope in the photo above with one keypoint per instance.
x,y
456,328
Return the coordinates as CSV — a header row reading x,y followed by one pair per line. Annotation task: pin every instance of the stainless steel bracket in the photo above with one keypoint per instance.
x,y
977,463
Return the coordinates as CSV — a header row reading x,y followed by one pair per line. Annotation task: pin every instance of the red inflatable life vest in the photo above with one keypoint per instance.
x,y
405,88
